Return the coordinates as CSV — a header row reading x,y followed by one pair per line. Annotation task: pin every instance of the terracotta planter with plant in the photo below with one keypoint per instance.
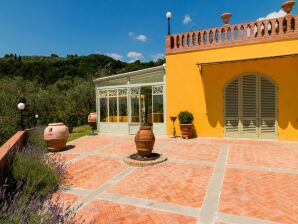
x,y
186,126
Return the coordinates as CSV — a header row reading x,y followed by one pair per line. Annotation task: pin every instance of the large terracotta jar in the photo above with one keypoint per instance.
x,y
145,140
56,135
92,119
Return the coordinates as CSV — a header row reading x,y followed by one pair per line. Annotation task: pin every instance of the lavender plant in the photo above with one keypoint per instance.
x,y
33,178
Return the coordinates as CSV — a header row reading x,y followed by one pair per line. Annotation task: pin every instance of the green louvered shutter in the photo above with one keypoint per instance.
x,y
267,108
232,109
249,107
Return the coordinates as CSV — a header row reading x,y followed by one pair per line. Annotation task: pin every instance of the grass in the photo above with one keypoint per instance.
x,y
79,131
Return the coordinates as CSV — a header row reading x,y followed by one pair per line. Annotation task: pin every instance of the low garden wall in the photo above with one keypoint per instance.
x,y
7,151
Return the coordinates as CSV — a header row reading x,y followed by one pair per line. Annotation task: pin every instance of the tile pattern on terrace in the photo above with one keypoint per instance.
x,y
205,180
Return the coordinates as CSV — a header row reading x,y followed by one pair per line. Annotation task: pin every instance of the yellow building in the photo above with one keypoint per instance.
x,y
237,80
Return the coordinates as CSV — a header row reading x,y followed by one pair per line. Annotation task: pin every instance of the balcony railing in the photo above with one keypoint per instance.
x,y
233,35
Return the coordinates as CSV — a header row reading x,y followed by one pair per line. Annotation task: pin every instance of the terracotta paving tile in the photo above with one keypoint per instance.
x,y
61,158
123,147
263,156
93,171
264,195
181,184
192,151
127,147
64,200
106,212
89,144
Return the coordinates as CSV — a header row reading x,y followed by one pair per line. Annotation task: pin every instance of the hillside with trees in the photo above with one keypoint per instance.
x,y
56,88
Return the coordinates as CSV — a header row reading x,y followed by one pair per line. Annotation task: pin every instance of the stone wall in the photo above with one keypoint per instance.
x,y
7,151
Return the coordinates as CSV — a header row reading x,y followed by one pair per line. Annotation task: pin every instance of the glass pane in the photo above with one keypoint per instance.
x,y
103,109
135,113
113,109
123,109
158,109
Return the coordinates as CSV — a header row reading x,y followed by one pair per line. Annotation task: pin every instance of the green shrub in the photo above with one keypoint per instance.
x,y
35,139
37,177
185,117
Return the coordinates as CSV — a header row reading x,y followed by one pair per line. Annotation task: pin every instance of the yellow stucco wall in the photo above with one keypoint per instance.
x,y
203,95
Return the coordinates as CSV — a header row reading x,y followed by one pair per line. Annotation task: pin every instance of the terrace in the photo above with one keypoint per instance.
x,y
205,180
283,28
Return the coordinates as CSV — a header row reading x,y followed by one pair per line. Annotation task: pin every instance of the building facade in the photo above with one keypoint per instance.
x,y
237,80
126,100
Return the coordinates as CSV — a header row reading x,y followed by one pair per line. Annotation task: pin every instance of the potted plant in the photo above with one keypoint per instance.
x,y
186,126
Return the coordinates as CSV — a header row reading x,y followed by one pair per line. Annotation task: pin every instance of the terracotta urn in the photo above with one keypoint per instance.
x,y
226,17
288,6
145,140
92,119
56,135
186,130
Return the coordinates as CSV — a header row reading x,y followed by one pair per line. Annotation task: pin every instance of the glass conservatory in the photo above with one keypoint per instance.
x,y
126,100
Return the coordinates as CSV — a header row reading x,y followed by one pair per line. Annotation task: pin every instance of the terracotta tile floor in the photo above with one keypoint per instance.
x,y
93,171
233,186
264,195
192,151
264,156
107,212
181,184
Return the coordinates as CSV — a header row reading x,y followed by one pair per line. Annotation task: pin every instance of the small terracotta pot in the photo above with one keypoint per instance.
x,y
288,6
56,135
145,140
226,17
92,117
186,130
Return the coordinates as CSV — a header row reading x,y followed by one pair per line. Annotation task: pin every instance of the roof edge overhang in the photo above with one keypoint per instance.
x,y
128,74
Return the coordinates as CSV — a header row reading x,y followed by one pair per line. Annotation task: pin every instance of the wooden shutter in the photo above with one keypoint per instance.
x,y
267,100
249,107
232,109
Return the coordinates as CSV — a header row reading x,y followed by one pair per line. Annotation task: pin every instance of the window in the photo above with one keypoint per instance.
x,y
157,92
158,109
135,112
113,109
103,103
122,101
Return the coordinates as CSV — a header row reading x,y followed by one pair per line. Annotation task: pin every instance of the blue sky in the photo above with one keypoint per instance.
x,y
124,29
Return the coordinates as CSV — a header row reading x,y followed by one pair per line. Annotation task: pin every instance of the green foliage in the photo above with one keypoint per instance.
x,y
35,139
80,131
37,176
53,87
185,117
71,119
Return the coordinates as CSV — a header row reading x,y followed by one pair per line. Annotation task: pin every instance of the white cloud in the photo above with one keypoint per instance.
x,y
115,56
140,37
135,55
273,15
186,19
155,57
